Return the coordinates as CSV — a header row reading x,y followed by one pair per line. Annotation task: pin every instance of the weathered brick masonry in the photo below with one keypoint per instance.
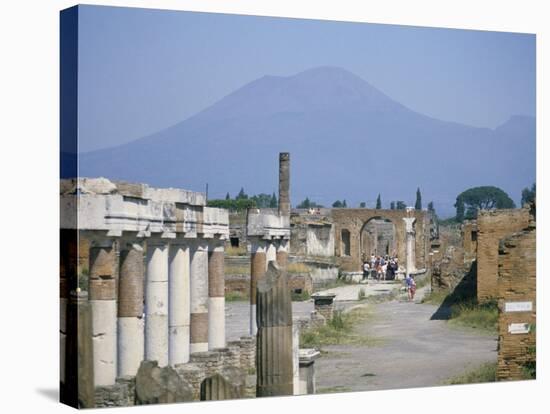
x,y
469,239
492,226
516,283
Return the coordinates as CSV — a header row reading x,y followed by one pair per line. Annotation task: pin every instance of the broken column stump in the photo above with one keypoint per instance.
x,y
79,368
274,338
160,385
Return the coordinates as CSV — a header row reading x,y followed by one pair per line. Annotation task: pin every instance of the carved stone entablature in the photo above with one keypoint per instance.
x,y
117,207
267,224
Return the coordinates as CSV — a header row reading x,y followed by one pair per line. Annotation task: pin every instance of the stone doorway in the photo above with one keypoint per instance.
x,y
378,237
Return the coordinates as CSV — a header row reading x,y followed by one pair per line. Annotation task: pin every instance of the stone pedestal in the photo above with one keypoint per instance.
x,y
156,303
307,370
199,296
258,264
274,365
179,315
102,295
216,296
324,304
130,310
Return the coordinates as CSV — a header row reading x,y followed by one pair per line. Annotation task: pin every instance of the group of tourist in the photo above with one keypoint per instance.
x,y
385,268
380,268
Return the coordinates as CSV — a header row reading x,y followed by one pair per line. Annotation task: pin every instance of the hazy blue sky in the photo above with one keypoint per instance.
x,y
143,70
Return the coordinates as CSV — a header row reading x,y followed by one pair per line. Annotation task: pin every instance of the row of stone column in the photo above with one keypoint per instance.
x,y
262,252
164,311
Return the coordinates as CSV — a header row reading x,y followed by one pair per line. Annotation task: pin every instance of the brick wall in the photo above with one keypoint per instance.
x,y
469,239
516,283
300,281
492,226
236,364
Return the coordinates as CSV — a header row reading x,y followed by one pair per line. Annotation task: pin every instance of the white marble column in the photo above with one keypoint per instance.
x,y
271,253
130,322
282,253
258,265
199,296
410,241
179,304
216,295
296,358
102,296
156,303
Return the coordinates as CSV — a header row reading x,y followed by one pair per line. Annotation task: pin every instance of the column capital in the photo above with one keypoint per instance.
x,y
409,224
258,245
216,245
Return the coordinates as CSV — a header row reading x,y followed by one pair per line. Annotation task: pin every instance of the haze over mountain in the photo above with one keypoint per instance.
x,y
346,138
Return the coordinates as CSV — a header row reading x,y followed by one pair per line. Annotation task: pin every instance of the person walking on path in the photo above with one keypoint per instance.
x,y
411,287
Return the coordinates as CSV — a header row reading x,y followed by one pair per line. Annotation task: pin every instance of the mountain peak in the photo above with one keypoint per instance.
x,y
319,89
517,122
327,72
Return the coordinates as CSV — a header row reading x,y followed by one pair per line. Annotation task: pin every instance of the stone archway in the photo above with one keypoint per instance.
x,y
378,237
217,388
348,225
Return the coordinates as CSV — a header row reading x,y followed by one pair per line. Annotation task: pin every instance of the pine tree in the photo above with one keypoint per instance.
x,y
392,205
418,204
459,209
273,202
305,204
378,202
227,196
344,205
242,195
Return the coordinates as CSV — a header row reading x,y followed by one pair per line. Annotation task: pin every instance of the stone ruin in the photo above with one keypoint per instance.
x,y
143,321
155,284
516,294
274,355
497,254
492,226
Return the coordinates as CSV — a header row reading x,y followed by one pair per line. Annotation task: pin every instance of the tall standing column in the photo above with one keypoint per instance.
x,y
179,304
216,296
102,295
258,264
284,184
410,240
156,303
130,310
282,254
274,350
199,296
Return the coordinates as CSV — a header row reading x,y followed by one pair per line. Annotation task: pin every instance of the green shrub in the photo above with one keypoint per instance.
x,y
338,330
300,297
484,373
474,315
235,296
